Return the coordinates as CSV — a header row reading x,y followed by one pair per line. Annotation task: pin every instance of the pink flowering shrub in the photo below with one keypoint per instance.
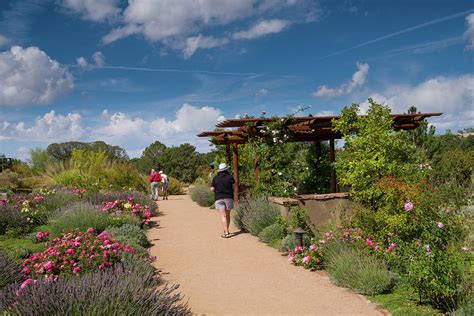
x,y
128,207
307,257
75,253
41,236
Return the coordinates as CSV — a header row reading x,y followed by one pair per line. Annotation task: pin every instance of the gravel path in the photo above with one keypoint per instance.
x,y
239,275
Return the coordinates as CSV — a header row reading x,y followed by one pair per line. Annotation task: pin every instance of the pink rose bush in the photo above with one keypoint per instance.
x,y
75,253
306,257
41,236
128,207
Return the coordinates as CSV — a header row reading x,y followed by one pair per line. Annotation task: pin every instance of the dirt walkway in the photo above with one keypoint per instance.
x,y
239,275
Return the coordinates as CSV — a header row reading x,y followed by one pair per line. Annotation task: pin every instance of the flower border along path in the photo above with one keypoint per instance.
x,y
239,275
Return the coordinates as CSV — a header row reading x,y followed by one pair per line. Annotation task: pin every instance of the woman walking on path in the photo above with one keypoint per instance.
x,y
222,186
155,179
164,183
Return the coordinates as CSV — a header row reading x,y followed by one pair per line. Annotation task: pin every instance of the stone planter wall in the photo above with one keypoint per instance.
x,y
322,209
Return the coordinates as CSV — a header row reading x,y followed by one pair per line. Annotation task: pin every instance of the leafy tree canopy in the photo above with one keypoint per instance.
x,y
63,151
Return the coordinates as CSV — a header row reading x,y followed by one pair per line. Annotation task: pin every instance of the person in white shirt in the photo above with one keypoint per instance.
x,y
164,182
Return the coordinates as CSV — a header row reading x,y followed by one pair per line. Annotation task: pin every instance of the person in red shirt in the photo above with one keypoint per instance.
x,y
155,180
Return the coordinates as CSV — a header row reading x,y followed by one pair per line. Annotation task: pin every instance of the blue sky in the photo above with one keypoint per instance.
x,y
132,72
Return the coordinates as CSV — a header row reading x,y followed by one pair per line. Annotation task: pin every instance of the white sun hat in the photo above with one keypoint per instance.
x,y
223,167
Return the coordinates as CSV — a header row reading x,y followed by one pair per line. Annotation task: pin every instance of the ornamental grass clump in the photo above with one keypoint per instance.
x,y
125,289
202,195
77,216
355,269
72,254
255,214
9,270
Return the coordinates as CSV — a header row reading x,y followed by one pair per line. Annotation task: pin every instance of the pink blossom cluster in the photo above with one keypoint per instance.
x,y
306,257
3,201
79,191
124,207
41,236
372,244
74,253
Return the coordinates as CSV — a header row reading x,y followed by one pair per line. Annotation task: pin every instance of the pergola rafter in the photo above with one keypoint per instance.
x,y
300,129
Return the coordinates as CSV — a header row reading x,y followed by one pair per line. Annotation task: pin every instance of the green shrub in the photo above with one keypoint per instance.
x,y
255,214
129,234
441,276
202,195
272,233
11,219
298,217
10,270
126,289
78,216
289,243
350,267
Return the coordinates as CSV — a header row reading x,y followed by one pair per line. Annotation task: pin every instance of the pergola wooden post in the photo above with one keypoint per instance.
x,y
235,167
332,158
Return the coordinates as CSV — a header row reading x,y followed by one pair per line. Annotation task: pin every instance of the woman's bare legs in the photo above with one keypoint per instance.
x,y
225,222
227,216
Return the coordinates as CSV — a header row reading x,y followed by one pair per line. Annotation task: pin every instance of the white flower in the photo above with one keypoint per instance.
x,y
294,188
274,139
279,173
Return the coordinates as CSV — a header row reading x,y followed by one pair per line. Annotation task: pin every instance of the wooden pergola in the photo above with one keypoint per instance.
x,y
233,132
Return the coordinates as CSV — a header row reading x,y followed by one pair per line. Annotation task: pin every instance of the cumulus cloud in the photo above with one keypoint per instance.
x,y
29,76
194,43
262,28
134,133
358,80
158,20
130,132
454,96
97,57
93,10
49,127
469,34
3,40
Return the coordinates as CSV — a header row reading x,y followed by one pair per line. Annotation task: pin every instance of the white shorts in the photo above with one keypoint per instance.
x,y
227,204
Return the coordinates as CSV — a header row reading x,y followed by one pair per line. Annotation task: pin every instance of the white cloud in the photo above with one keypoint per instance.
x,y
99,61
454,96
469,34
3,40
358,80
158,20
94,10
29,76
82,62
262,28
194,43
120,128
262,92
50,127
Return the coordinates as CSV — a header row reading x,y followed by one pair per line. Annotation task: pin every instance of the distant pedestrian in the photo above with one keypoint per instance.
x,y
164,183
155,179
222,186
